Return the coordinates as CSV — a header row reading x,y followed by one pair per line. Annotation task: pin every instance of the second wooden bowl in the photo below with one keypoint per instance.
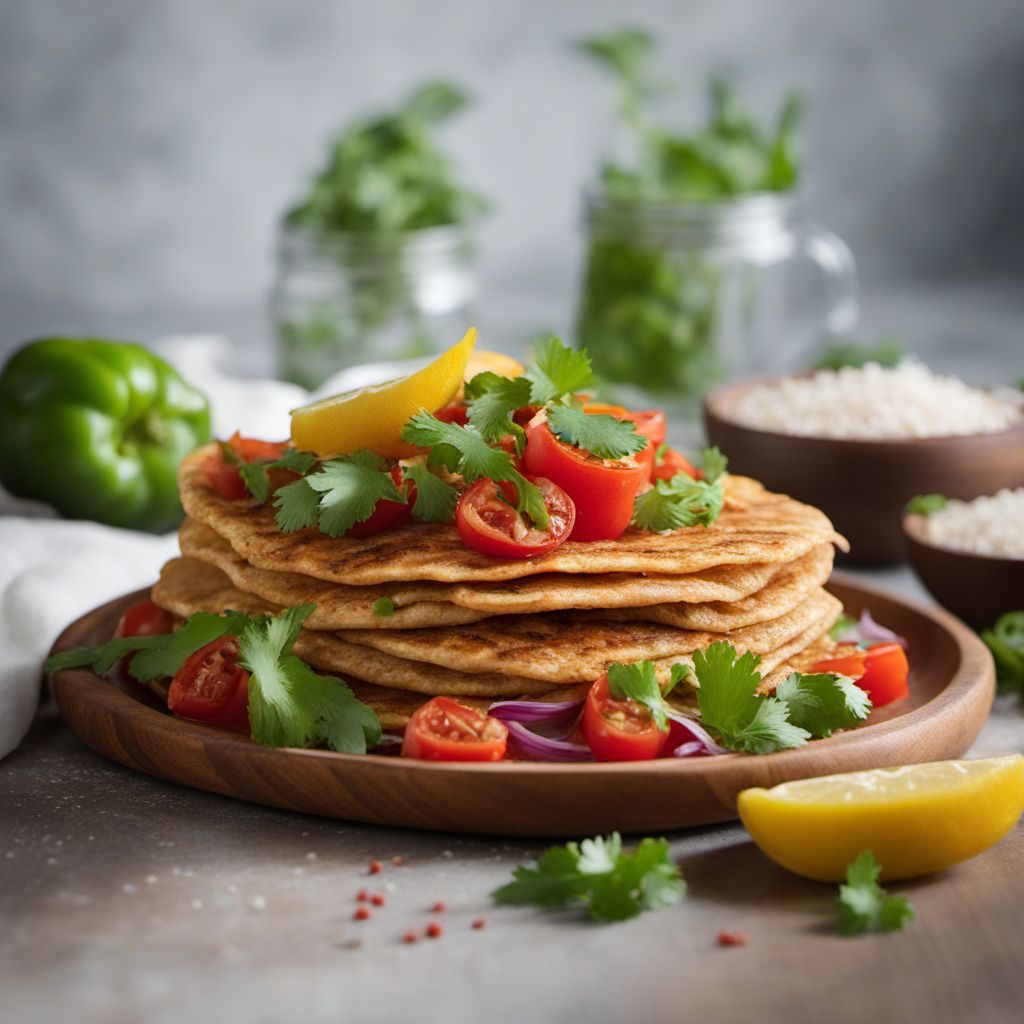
x,y
863,486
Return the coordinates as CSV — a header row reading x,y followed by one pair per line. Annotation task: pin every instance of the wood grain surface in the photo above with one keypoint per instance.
x,y
952,687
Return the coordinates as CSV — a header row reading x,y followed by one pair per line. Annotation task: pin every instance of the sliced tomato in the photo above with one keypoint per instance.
x,y
650,423
619,730
387,514
223,475
671,463
886,677
453,412
212,687
144,618
851,663
488,522
445,730
601,489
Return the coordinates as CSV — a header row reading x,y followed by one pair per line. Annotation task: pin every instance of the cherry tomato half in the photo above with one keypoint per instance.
x,y
144,618
212,687
601,489
650,423
619,730
453,412
850,663
445,730
671,463
488,523
223,476
387,514
886,677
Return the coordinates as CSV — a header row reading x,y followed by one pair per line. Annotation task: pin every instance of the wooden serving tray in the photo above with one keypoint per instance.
x,y
952,685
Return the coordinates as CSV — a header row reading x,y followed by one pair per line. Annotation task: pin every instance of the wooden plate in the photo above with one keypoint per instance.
x,y
952,686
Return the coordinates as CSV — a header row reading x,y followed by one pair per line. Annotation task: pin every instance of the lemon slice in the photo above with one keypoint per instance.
x,y
373,417
915,820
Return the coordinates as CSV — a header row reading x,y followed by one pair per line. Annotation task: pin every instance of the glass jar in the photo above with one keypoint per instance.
x,y
676,296
343,298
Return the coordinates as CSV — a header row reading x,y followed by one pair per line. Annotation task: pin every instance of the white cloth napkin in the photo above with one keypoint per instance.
x,y
52,571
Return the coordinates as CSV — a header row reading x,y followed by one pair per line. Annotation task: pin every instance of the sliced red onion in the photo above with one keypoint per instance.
x,y
544,748
701,741
545,713
875,633
554,721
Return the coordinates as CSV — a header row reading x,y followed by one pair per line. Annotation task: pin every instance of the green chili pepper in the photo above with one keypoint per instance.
x,y
97,429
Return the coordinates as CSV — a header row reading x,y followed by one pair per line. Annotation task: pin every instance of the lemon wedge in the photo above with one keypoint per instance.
x,y
373,417
915,819
483,360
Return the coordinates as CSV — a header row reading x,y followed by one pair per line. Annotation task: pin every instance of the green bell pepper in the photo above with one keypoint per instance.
x,y
97,429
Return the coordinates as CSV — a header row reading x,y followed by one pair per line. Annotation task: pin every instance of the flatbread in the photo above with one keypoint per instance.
x,y
755,593
758,527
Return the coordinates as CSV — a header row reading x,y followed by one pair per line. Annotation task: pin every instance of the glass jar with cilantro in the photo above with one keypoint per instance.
x,y
701,262
379,259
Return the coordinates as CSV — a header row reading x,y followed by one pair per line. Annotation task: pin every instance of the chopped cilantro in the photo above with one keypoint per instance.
x,y
679,502
343,492
384,607
435,500
926,504
256,475
638,682
714,464
614,884
557,371
463,450
864,906
600,434
492,400
821,704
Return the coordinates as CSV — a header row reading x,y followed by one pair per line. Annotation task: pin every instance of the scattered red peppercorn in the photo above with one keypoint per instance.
x,y
733,938
480,922
376,867
434,930
377,899
398,860
410,937
362,895
362,914
438,908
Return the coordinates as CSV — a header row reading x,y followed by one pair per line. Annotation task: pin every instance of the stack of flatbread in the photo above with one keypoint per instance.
x,y
484,629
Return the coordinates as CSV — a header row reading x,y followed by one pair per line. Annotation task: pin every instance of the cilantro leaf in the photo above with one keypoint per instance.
x,y
256,479
297,505
864,906
256,475
678,503
557,371
821,704
493,401
841,625
464,451
384,607
769,730
926,504
638,682
616,884
714,464
435,500
600,434
289,704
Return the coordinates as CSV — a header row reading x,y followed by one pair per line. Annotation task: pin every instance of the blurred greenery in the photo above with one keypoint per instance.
x,y
886,352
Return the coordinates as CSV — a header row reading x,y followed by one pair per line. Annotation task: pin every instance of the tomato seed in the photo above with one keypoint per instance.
x,y
438,908
362,914
377,899
362,895
480,922
733,938
376,867
434,930
410,937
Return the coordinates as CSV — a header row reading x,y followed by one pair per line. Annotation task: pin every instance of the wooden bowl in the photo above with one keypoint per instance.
x,y
863,486
976,588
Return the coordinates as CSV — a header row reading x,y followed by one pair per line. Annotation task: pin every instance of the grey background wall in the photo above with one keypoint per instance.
x,y
148,146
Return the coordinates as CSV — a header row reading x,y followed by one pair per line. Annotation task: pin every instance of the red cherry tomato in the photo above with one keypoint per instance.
x,y
453,412
601,489
212,687
651,424
619,730
851,663
488,523
387,514
445,730
886,677
670,464
223,476
144,618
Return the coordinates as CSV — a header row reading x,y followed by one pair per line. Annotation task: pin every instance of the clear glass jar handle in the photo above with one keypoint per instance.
x,y
833,257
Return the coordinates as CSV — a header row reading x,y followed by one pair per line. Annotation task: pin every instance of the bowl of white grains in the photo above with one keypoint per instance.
x,y
970,554
860,442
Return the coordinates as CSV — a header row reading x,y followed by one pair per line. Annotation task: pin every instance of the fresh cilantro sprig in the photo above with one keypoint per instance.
x,y
864,906
465,451
342,492
435,500
290,705
683,501
802,708
551,381
639,683
159,656
926,504
256,475
614,884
